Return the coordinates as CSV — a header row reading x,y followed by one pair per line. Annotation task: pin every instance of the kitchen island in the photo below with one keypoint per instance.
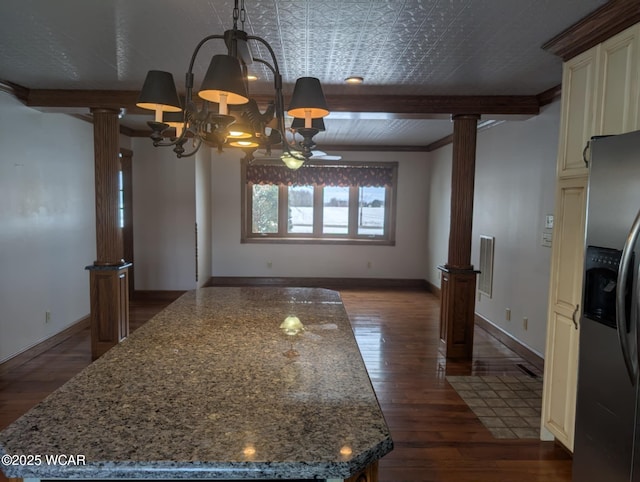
x,y
214,387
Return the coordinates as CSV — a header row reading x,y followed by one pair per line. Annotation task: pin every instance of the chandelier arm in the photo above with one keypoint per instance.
x,y
279,103
189,75
196,149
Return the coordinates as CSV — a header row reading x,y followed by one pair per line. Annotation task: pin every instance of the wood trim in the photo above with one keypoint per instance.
x,y
157,295
32,352
433,289
19,92
511,342
444,141
613,17
392,104
549,95
330,283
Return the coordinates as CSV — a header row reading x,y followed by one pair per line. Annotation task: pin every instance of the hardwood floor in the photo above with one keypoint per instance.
x,y
437,437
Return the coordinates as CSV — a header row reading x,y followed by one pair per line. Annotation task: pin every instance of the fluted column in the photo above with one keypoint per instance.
x,y
458,281
109,276
106,135
462,182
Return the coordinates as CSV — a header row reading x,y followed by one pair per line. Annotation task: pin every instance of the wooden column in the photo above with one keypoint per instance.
x,y
109,272
106,148
458,284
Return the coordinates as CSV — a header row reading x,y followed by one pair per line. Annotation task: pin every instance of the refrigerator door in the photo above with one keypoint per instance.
x,y
606,397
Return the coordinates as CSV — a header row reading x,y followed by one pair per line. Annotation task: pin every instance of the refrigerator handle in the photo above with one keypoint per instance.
x,y
621,312
575,322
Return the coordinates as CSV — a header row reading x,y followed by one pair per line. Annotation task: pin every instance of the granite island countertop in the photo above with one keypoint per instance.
x,y
211,388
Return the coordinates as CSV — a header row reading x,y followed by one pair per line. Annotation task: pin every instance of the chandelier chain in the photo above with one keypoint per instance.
x,y
236,14
243,14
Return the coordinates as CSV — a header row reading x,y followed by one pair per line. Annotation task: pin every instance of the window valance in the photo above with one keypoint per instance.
x,y
322,175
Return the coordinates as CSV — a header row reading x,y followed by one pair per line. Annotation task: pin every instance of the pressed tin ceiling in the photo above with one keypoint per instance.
x,y
400,47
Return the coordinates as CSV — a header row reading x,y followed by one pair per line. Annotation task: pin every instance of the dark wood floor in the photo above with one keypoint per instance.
x,y
437,437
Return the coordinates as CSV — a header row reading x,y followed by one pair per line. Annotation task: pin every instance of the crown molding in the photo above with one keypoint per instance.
x,y
613,17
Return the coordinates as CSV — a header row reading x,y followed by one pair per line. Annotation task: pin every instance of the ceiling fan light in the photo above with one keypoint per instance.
x,y
224,78
291,162
308,99
159,92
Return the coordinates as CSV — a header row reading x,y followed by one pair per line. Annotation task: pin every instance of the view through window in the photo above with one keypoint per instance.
x,y
320,202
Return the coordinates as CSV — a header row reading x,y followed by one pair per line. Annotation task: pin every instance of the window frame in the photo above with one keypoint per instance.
x,y
317,237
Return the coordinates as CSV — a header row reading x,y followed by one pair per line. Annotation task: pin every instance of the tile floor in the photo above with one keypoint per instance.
x,y
508,406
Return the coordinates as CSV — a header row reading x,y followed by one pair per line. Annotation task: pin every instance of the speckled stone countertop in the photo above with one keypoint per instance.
x,y
205,389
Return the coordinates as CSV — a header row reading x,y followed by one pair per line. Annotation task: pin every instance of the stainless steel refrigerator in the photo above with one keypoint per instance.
x,y
607,431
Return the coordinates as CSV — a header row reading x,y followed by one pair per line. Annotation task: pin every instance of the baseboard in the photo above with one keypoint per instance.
x,y
433,289
329,283
39,348
512,343
157,295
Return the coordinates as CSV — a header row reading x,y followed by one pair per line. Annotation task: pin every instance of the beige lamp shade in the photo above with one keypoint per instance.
x,y
159,92
308,99
224,79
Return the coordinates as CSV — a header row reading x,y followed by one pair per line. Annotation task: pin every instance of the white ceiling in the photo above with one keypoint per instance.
x,y
400,47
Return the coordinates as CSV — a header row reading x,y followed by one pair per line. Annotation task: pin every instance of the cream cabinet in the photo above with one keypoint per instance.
x,y
577,119
563,328
600,96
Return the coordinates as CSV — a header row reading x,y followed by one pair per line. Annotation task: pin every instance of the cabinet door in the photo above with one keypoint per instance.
x,y
618,83
577,123
561,355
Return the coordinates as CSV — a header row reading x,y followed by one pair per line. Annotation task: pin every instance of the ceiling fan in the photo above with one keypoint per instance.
x,y
265,155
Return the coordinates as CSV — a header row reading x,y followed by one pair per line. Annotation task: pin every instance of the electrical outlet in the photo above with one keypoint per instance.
x,y
368,264
507,314
269,264
525,323
47,316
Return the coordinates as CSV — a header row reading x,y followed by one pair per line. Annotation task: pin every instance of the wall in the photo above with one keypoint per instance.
x,y
47,219
405,260
203,214
514,190
164,217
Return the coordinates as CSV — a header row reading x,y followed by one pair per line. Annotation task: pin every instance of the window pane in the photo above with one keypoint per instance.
x,y
265,209
335,215
300,209
371,211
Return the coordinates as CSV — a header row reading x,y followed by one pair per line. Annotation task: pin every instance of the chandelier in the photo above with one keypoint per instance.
x,y
222,114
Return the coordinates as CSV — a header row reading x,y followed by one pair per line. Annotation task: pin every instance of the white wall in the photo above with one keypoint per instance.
x,y
164,217
514,190
405,260
47,223
203,214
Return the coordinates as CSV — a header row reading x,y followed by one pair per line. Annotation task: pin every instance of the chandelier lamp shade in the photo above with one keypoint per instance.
x,y
222,113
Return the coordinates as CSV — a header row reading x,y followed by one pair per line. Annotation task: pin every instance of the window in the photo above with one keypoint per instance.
x,y
322,202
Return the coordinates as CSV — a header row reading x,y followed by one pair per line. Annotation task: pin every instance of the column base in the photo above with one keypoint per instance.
x,y
457,310
109,291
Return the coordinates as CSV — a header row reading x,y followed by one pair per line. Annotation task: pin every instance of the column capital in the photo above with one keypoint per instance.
x,y
465,117
104,110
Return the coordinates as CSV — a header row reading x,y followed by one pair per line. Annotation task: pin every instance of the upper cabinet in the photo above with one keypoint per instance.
x,y
619,62
599,96
577,123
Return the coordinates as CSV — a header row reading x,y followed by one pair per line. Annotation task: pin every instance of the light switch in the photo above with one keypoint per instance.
x,y
548,221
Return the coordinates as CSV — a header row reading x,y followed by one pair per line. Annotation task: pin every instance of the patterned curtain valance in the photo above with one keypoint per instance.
x,y
314,175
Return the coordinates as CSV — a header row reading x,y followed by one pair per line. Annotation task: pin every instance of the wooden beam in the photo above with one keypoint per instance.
x,y
613,17
392,104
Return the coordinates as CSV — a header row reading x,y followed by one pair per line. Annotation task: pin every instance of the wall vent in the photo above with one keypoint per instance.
x,y
485,279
